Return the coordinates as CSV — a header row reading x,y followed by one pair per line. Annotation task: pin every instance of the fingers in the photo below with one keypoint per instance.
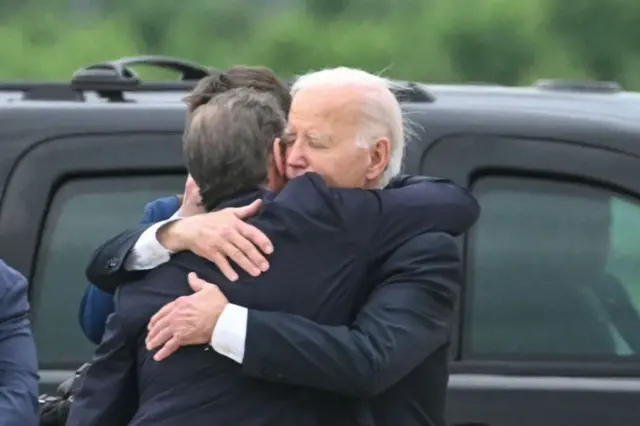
x,y
248,211
242,250
170,347
223,264
245,253
196,282
257,237
162,313
157,327
238,243
231,238
250,252
160,337
234,253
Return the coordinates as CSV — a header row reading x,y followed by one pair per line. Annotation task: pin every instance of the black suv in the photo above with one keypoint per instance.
x,y
549,331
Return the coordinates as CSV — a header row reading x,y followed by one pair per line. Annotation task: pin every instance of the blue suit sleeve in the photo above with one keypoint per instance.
x,y
95,308
97,304
18,362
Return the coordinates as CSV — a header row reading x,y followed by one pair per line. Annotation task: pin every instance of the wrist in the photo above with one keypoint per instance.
x,y
169,236
221,308
230,332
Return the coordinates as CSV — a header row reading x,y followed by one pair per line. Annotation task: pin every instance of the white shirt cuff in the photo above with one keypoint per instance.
x,y
148,253
230,333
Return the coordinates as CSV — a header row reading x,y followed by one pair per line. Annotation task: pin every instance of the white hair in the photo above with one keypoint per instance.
x,y
382,115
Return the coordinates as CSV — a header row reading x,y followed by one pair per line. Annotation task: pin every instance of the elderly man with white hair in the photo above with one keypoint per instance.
x,y
345,125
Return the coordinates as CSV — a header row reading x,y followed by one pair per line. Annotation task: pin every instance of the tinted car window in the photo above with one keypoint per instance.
x,y
84,213
554,270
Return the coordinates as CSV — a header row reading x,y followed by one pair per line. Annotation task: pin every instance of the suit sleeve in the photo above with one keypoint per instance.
x,y
95,308
18,363
408,317
412,205
420,205
106,269
303,199
108,395
458,207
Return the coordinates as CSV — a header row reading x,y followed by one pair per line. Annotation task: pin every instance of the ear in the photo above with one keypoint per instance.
x,y
379,159
278,156
275,172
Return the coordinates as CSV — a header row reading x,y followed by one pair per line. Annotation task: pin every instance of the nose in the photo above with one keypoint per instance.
x,y
296,158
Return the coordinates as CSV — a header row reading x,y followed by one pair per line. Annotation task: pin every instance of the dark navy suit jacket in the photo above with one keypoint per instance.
x,y
18,363
395,352
326,242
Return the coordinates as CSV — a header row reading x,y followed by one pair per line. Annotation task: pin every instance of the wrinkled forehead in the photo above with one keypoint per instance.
x,y
327,109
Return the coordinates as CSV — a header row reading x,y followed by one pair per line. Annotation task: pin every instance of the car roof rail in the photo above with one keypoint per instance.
x,y
409,91
52,91
113,78
579,86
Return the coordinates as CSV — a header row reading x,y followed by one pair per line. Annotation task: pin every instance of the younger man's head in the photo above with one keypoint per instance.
x,y
228,143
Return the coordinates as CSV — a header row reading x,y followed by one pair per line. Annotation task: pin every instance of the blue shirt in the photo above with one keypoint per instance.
x,y
96,305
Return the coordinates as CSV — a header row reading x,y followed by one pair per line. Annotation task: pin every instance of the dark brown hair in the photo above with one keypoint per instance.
x,y
228,141
260,79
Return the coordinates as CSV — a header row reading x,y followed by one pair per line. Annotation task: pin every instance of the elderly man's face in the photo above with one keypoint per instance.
x,y
321,137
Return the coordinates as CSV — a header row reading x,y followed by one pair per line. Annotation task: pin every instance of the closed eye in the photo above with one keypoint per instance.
x,y
316,143
288,140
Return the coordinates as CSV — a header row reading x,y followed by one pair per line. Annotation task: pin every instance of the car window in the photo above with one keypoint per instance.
x,y
84,213
554,271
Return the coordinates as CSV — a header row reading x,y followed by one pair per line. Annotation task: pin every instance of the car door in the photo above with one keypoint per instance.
x,y
66,196
549,330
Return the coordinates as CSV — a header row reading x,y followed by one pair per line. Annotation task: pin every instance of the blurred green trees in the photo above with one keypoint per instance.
x,y
493,41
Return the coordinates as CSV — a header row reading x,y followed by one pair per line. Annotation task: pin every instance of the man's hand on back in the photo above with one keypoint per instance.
x,y
188,320
220,235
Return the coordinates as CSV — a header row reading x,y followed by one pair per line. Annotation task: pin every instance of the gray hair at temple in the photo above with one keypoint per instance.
x,y
228,142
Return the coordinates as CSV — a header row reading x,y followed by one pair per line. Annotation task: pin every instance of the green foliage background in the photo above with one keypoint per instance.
x,y
494,41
